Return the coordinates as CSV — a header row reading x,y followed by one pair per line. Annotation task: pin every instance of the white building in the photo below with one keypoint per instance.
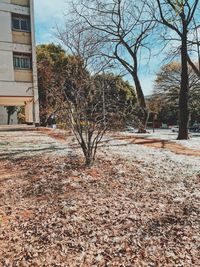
x,y
18,70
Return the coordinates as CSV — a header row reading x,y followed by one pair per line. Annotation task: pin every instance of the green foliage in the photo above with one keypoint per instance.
x,y
120,99
167,88
52,66
51,53
11,110
58,71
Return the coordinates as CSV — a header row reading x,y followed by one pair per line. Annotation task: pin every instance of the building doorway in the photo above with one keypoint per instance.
x,y
12,115
16,110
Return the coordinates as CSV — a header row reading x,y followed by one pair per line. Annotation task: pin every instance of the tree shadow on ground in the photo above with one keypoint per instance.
x,y
29,152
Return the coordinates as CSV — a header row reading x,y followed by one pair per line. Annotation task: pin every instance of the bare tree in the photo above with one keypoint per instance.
x,y
85,112
119,31
194,48
178,16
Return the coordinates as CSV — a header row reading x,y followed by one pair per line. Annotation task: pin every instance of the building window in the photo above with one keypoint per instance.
x,y
21,23
22,62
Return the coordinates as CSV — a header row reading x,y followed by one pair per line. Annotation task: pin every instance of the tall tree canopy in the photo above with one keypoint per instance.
x,y
53,68
115,30
167,88
60,73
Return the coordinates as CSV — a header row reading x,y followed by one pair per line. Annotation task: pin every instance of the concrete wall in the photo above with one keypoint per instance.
x,y
6,67
5,22
16,89
7,7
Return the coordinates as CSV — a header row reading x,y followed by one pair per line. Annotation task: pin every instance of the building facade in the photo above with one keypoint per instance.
x,y
18,67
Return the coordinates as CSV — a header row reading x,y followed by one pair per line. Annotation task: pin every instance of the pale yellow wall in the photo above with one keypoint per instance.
x,y
23,76
29,112
21,2
14,101
21,37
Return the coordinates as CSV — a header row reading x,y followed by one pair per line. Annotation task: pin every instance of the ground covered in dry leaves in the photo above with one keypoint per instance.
x,y
137,206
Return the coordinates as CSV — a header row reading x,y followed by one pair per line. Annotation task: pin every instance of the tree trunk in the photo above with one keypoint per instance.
x,y
87,151
184,91
8,120
88,161
138,87
141,101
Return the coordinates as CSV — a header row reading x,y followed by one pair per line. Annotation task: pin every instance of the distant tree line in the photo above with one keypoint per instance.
x,y
165,98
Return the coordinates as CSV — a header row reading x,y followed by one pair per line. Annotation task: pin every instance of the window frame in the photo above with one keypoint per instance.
x,y
21,64
20,20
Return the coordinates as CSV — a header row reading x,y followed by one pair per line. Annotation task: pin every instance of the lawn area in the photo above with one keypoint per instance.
x,y
139,205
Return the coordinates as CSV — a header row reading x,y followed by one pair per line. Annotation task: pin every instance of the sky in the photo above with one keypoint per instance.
x,y
50,13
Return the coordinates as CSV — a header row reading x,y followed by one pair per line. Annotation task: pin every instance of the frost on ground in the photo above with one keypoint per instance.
x,y
160,159
138,206
168,135
16,144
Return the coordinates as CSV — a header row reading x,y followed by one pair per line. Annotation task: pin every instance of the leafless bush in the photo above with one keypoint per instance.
x,y
86,115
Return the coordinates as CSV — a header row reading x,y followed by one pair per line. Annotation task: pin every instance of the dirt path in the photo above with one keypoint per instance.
x,y
162,144
137,140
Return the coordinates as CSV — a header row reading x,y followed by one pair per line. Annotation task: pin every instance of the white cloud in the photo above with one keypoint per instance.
x,y
52,10
48,14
